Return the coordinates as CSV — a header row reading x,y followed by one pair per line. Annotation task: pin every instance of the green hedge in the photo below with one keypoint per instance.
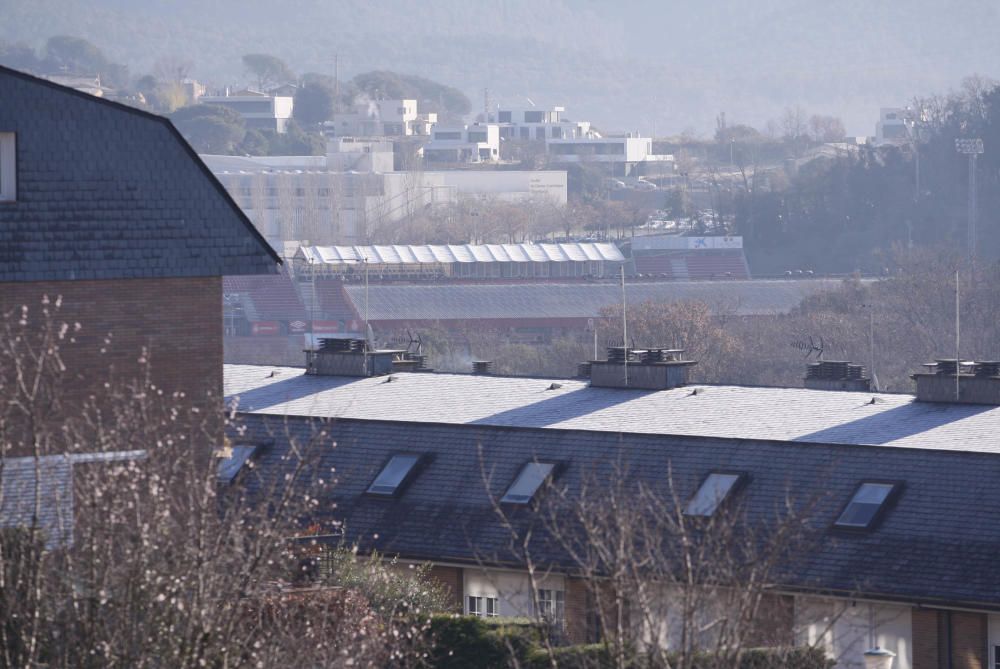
x,y
492,643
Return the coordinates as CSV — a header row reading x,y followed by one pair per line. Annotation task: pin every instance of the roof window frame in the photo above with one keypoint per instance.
x,y
8,167
884,508
742,480
550,477
421,461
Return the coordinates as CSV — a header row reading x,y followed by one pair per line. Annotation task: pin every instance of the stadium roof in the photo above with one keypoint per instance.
x,y
459,253
731,412
544,300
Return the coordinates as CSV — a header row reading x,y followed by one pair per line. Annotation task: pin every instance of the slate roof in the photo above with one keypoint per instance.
x,y
408,254
544,300
106,191
52,477
937,545
730,412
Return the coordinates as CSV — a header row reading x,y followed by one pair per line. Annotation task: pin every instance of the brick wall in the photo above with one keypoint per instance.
x,y
452,579
577,613
177,320
774,624
926,644
935,632
968,640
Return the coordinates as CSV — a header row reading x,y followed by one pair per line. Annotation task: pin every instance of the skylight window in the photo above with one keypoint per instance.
x,y
524,487
864,507
394,474
713,491
230,466
8,167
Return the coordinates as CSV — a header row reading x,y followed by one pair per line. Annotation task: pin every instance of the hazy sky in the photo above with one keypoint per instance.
x,y
625,65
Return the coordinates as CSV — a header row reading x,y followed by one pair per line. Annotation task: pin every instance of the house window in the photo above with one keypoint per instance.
x,y
713,491
8,167
393,475
864,507
528,481
484,607
552,605
557,133
504,117
534,117
232,464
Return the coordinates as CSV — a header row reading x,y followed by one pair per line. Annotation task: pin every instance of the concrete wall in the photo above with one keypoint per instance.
x,y
511,186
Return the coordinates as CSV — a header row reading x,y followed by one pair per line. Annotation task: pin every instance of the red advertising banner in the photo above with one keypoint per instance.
x,y
327,327
265,328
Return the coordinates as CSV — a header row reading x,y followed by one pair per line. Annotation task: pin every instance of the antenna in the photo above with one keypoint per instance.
x,y
958,359
624,324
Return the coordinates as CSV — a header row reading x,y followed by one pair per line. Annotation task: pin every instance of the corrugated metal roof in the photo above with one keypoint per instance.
x,y
389,302
451,253
733,412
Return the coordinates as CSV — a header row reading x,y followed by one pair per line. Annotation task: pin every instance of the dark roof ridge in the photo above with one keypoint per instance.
x,y
120,106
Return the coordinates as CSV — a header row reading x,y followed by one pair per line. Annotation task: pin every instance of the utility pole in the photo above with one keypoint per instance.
x,y
971,148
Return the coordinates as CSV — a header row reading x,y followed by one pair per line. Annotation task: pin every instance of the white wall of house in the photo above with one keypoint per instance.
x,y
847,628
512,588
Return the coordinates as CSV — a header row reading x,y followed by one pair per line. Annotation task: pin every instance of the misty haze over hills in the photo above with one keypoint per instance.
x,y
626,65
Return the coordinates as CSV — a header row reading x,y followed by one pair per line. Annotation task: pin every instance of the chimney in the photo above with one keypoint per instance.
x,y
836,375
352,357
646,369
977,382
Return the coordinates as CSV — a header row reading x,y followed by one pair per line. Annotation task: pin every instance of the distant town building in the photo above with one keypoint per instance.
x,y
539,124
618,156
892,126
477,143
382,118
85,84
261,111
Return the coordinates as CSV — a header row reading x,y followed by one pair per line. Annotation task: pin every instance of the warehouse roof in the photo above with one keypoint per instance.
x,y
544,300
106,191
731,412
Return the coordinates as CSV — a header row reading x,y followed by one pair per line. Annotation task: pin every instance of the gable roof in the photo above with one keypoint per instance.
x,y
725,412
937,545
107,191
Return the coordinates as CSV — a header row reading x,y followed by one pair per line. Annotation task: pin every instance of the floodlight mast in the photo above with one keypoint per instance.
x,y
971,148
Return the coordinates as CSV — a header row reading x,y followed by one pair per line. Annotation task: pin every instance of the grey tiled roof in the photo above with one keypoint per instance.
x,y
575,300
105,191
50,477
735,412
938,544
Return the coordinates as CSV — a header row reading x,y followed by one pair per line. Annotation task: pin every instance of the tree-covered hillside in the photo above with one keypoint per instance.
x,y
625,65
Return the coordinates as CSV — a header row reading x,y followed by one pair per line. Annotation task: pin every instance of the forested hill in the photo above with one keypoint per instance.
x,y
625,65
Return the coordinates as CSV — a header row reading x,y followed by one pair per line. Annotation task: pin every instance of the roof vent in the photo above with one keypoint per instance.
x,y
482,366
961,381
646,369
352,357
836,375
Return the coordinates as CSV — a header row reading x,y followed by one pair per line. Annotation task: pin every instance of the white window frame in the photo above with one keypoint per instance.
x,y
552,605
8,167
482,606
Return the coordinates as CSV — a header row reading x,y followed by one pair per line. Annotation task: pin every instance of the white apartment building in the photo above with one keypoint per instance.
x,y
382,118
533,124
477,143
619,156
260,110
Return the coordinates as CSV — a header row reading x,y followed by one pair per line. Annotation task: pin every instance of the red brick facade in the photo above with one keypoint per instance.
x,y
958,634
177,321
